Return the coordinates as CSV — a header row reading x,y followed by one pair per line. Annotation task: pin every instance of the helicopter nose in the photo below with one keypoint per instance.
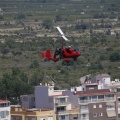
x,y
79,54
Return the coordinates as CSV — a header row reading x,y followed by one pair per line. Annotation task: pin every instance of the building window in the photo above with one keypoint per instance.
x,y
94,98
75,118
118,99
100,106
62,117
17,118
95,115
26,118
100,97
3,114
62,108
101,114
98,81
42,118
118,89
50,118
94,106
83,116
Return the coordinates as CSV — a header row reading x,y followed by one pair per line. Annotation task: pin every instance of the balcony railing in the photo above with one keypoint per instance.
x,y
98,100
110,108
118,110
84,101
109,98
85,110
61,103
84,118
94,100
62,111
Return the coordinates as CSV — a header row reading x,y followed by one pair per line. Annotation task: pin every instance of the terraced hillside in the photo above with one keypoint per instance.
x,y
28,27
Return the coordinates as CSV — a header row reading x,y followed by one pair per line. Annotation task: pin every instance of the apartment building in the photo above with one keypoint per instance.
x,y
4,110
97,104
45,97
115,87
18,113
90,101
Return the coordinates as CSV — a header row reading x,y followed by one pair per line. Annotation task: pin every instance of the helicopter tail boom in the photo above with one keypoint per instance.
x,y
42,55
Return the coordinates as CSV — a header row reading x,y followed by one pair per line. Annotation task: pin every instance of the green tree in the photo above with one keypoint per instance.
x,y
114,56
20,16
1,17
47,24
58,18
13,85
35,64
5,50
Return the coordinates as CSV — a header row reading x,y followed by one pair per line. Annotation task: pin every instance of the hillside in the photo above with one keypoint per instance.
x,y
28,27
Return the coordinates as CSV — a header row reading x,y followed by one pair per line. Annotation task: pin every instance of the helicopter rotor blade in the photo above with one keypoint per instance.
x,y
62,34
64,38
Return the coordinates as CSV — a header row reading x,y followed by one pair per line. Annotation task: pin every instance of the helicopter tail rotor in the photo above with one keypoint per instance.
x,y
48,54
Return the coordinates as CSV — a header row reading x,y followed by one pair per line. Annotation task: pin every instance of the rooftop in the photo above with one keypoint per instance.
x,y
4,101
94,93
58,95
103,75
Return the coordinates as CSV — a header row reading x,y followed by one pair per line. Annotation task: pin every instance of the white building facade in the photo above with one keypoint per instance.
x,y
5,110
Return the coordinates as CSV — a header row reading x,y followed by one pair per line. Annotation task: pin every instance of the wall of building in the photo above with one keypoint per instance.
x,y
103,79
31,101
25,101
91,87
50,90
22,114
72,98
41,97
95,109
6,111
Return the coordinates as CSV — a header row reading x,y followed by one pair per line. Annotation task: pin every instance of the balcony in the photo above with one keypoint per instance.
x,y
62,112
94,100
84,101
118,109
100,100
85,110
84,118
110,98
61,103
110,108
118,102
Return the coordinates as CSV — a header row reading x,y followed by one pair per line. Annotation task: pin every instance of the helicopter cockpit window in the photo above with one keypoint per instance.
x,y
76,49
68,50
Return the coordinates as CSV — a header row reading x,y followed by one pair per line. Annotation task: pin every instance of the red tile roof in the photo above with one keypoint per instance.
x,y
4,101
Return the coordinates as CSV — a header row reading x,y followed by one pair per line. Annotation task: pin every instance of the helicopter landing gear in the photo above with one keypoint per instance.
x,y
75,59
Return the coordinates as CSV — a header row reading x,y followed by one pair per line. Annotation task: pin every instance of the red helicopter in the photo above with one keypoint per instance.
x,y
62,53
